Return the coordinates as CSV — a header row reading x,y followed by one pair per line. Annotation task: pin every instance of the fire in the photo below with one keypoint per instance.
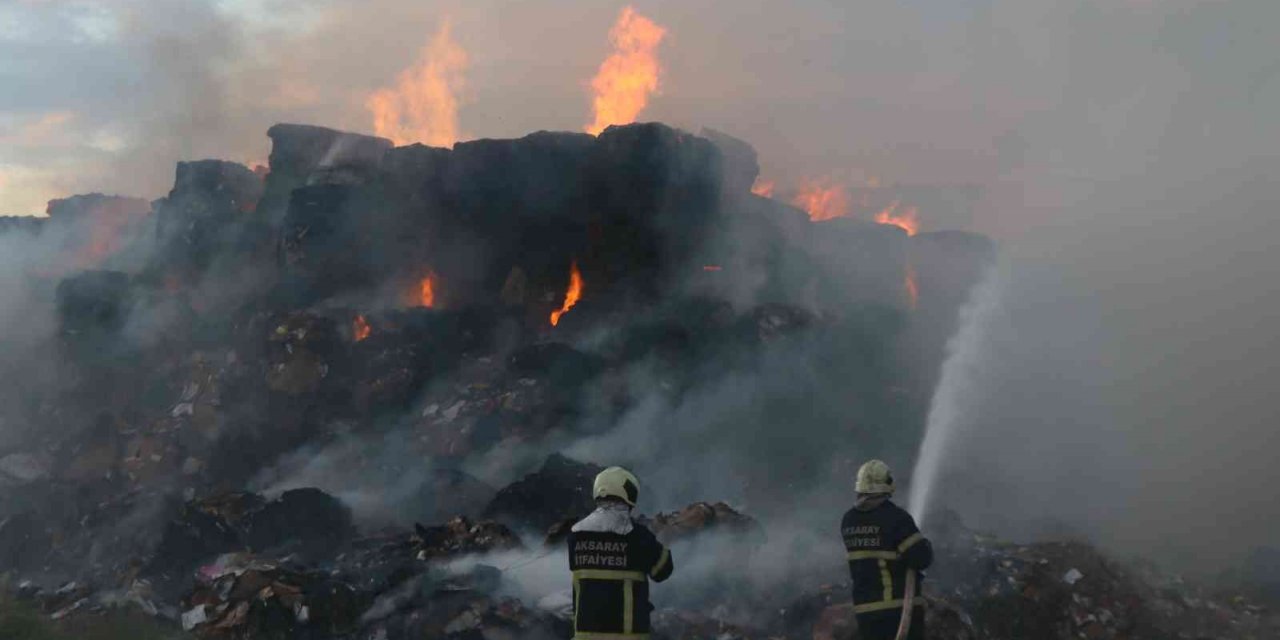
x,y
360,328
909,285
712,267
571,296
427,291
907,221
822,199
423,106
628,77
106,237
763,188
103,226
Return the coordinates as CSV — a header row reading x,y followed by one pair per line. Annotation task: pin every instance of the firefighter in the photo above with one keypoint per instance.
x,y
883,544
612,558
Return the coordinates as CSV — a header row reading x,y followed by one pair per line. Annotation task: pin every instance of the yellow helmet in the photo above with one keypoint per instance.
x,y
874,477
616,482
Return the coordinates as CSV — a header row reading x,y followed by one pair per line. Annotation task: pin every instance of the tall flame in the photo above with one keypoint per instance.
x,y
912,290
763,188
628,77
571,296
360,328
427,291
822,199
907,220
423,106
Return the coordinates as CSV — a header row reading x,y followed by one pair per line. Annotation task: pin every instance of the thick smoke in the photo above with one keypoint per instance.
x,y
1125,395
1126,147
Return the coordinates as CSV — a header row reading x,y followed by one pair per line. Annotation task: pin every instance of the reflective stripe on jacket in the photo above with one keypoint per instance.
x,y
611,574
881,543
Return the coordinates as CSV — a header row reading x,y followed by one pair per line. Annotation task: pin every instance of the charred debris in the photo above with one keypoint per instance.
x,y
378,320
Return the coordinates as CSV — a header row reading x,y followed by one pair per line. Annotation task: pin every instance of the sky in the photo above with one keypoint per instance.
x,y
108,94
1127,151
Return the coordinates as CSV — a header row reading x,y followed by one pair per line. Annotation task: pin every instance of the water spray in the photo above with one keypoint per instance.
x,y
955,394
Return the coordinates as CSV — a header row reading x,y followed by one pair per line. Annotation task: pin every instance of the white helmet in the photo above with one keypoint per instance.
x,y
616,482
874,477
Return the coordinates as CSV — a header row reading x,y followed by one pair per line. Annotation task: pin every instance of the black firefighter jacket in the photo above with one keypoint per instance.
x,y
882,543
611,574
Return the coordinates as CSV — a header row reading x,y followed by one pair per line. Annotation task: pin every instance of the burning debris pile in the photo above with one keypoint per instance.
x,y
329,399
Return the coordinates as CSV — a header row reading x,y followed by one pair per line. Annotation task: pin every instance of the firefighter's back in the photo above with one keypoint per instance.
x,y
612,558
882,543
611,575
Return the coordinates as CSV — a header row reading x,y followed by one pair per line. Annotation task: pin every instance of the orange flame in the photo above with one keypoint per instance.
x,y
106,237
909,285
427,291
822,199
423,106
712,267
360,328
571,296
626,78
105,229
908,221
763,188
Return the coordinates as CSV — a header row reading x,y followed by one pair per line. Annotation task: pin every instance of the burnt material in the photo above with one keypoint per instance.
x,y
704,517
561,489
94,301
461,536
562,365
309,521
206,216
298,151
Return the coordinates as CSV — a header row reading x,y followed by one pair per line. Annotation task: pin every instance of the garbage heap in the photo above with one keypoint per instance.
x,y
418,331
240,566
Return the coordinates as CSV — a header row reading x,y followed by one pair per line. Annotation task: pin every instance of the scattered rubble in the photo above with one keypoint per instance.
x,y
559,491
230,342
1070,590
303,521
306,522
240,596
703,517
460,536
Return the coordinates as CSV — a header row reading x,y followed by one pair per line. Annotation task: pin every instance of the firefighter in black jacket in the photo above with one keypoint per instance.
x,y
613,558
883,543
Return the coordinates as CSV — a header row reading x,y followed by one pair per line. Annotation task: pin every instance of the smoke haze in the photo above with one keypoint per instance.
x,y
1126,150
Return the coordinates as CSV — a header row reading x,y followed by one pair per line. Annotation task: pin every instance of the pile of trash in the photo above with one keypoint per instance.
x,y
240,596
240,566
1071,590
379,585
397,302
702,517
306,523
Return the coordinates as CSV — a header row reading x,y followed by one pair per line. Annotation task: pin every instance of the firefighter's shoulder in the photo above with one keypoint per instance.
x,y
645,539
894,514
851,515
641,532
892,509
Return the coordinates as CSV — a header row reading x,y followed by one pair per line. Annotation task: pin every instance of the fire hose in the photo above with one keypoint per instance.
x,y
908,602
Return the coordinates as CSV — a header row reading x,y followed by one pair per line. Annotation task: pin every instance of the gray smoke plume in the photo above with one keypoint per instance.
x,y
1126,148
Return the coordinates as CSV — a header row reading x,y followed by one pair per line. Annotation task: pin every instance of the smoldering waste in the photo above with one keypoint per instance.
x,y
325,399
